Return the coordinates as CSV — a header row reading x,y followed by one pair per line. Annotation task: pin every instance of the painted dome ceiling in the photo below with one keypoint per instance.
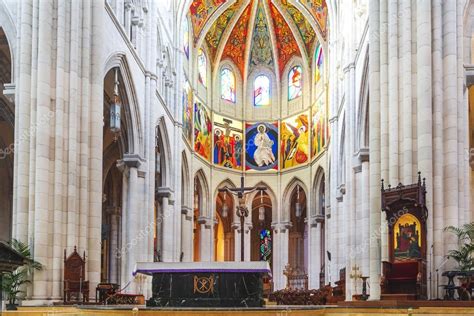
x,y
251,33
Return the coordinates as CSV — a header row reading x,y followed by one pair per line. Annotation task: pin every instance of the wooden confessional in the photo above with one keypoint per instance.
x,y
404,274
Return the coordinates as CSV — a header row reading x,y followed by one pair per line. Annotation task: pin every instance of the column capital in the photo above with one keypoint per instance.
x,y
186,210
469,71
164,192
132,160
9,91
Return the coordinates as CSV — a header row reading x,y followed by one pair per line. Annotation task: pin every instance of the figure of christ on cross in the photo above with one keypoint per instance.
x,y
242,209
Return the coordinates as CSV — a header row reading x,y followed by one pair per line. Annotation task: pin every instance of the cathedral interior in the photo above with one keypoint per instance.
x,y
329,138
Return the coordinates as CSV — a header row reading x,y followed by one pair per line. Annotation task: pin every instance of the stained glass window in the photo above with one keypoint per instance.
x,y
294,83
186,37
319,59
265,245
202,67
227,85
261,91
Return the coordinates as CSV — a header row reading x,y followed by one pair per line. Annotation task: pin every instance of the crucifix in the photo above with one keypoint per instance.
x,y
241,209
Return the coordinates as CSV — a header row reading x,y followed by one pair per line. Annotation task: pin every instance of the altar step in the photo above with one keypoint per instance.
x,y
398,297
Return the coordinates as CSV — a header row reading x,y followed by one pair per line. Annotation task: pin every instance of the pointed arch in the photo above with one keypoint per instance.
x,y
319,186
185,182
162,143
131,107
291,186
202,186
271,195
362,139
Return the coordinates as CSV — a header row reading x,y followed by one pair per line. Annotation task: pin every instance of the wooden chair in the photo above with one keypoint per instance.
x,y
339,291
404,278
74,277
296,278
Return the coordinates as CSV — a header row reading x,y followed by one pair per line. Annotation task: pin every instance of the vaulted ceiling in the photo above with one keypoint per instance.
x,y
253,33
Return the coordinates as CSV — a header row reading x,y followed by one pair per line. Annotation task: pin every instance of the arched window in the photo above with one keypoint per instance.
x,y
295,83
227,85
186,37
319,59
261,91
202,67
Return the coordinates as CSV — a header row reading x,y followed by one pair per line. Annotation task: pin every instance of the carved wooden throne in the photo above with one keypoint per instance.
x,y
404,274
74,277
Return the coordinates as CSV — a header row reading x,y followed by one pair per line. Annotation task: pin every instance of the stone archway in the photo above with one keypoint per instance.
x,y
116,178
298,228
224,229
7,138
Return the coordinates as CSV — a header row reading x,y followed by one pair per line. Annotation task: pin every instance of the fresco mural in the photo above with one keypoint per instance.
x,y
214,35
201,10
261,146
294,141
202,131
318,127
228,142
304,27
261,50
285,41
235,46
187,100
319,10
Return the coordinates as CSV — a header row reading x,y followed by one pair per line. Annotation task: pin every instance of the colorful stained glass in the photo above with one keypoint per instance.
x,y
227,85
295,83
265,245
319,61
261,88
186,37
202,67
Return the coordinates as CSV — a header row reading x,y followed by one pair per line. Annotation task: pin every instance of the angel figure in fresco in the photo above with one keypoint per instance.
x,y
263,154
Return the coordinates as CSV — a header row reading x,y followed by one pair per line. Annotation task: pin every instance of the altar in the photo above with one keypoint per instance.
x,y
205,284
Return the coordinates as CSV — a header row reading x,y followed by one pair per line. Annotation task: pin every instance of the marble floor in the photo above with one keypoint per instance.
x,y
276,311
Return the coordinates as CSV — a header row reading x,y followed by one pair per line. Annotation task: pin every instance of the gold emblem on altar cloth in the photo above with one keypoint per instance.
x,y
203,285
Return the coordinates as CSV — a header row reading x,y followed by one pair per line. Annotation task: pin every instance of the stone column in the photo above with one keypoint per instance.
x,y
314,252
168,247
130,224
115,224
374,145
206,239
187,233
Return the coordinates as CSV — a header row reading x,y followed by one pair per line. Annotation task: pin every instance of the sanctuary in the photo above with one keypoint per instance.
x,y
292,152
